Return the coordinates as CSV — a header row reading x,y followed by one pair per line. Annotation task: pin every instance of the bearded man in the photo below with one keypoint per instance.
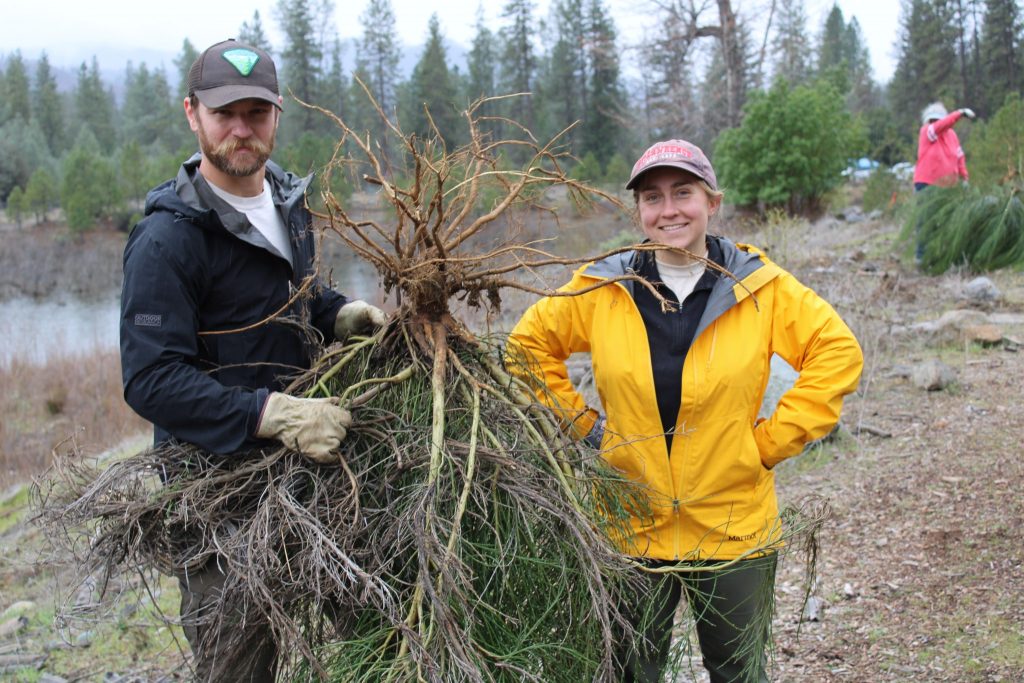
x,y
221,306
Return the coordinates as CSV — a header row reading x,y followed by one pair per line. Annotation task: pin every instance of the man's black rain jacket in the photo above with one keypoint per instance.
x,y
211,318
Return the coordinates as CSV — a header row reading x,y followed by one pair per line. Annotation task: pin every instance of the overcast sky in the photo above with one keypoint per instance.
x,y
71,31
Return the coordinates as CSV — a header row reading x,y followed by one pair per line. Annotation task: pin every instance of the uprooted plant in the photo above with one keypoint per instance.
x,y
461,535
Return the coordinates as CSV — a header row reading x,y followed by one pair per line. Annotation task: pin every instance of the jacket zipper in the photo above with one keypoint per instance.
x,y
678,524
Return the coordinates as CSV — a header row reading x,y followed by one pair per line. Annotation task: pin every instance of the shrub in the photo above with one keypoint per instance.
x,y
996,152
90,190
880,190
965,226
16,205
616,171
588,170
790,149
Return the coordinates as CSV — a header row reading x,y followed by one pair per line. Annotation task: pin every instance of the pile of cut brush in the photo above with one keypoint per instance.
x,y
461,535
967,227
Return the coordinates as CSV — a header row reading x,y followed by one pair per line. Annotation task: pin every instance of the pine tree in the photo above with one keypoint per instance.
x,y
94,106
48,107
90,189
16,208
482,62
790,46
926,68
605,107
252,33
518,65
863,93
832,48
41,193
301,57
1001,53
481,79
130,164
147,115
432,89
183,62
23,149
378,53
334,92
17,102
562,90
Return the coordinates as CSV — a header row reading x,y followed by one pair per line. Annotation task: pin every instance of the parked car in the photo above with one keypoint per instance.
x,y
860,169
904,170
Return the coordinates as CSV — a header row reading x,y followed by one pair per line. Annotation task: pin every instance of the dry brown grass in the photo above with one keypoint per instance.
x,y
70,397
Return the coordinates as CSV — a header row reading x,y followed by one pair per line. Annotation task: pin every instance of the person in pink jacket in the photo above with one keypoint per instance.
x,y
940,158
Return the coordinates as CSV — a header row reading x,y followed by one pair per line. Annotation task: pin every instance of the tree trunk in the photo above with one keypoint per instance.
x,y
733,58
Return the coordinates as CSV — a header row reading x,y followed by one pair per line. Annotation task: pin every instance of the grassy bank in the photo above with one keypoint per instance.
x,y
70,399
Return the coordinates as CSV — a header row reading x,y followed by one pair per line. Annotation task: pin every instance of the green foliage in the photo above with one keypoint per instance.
x,y
616,171
16,207
23,149
94,106
588,169
311,153
42,193
605,105
431,93
15,91
252,33
997,146
1001,53
518,61
790,149
48,108
183,63
622,238
880,189
925,71
130,165
301,59
963,226
887,142
148,118
90,189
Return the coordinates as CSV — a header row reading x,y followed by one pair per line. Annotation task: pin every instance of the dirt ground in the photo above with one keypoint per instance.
x,y
920,568
920,574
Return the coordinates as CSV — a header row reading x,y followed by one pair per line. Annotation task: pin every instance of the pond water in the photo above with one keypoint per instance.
x,y
33,330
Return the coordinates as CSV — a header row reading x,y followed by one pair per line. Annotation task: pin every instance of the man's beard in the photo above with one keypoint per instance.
x,y
221,155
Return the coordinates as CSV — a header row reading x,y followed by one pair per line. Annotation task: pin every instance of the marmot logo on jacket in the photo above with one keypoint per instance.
x,y
148,320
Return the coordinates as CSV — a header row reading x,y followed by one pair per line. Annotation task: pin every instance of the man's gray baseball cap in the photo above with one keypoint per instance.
x,y
230,71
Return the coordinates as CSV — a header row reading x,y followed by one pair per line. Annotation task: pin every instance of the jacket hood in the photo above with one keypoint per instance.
x,y
740,260
749,268
189,195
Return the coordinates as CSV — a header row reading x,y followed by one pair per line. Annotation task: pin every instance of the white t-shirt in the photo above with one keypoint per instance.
x,y
263,215
680,279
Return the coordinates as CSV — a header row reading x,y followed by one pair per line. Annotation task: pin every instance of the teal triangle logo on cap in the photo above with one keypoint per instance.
x,y
243,60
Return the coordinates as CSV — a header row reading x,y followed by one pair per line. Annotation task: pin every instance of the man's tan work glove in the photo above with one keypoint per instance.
x,y
357,317
311,426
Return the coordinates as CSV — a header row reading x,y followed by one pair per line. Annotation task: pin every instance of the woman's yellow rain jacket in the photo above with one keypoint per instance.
x,y
713,496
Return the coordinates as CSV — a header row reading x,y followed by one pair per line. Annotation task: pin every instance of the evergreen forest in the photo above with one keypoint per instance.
x,y
781,111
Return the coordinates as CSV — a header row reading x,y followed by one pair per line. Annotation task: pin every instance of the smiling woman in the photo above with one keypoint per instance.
x,y
681,363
